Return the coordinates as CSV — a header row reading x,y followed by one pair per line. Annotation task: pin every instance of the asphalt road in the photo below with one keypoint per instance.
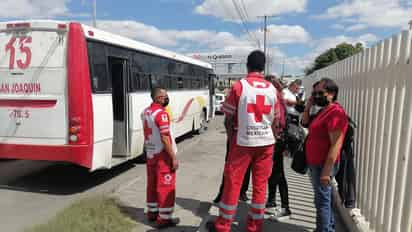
x,y
31,192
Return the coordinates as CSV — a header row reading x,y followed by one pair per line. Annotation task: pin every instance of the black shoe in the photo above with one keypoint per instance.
x,y
210,226
243,197
151,219
271,204
170,223
217,199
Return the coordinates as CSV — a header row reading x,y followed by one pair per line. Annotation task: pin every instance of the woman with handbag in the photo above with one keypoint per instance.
x,y
278,178
323,145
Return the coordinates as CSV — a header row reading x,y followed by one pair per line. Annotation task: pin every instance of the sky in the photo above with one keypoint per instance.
x,y
298,30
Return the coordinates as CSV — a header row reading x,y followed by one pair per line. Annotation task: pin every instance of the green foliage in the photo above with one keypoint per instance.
x,y
333,55
97,214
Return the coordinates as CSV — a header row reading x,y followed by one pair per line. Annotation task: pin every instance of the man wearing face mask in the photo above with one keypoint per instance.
x,y
161,161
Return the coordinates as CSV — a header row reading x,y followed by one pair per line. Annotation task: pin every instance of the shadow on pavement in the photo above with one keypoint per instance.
x,y
65,179
138,215
198,208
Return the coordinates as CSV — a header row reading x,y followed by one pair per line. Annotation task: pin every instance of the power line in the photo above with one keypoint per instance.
x,y
242,20
229,12
246,14
245,9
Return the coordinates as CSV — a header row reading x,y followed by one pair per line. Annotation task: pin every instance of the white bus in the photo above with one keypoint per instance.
x,y
73,93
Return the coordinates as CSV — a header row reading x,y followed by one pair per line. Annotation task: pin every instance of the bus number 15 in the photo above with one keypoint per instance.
x,y
23,49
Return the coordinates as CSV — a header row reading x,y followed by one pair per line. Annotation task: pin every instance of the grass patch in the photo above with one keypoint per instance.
x,y
95,214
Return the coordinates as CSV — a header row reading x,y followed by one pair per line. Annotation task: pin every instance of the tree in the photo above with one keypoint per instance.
x,y
333,55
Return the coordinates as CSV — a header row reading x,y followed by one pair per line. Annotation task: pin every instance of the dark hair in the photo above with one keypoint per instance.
x,y
275,81
256,61
270,77
330,87
297,82
315,84
155,91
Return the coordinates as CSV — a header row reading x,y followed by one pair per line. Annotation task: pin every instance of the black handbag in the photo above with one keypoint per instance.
x,y
299,159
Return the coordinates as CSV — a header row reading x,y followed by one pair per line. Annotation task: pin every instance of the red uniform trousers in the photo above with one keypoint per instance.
x,y
238,161
161,187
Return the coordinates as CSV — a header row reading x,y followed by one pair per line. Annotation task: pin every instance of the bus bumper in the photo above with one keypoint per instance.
x,y
77,154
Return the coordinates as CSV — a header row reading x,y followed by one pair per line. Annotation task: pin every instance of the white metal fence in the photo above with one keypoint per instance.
x,y
375,89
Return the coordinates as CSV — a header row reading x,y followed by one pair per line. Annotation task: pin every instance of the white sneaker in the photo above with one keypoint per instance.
x,y
282,214
272,210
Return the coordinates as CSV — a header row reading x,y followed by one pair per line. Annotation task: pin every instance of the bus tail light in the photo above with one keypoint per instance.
x,y
18,25
62,26
74,129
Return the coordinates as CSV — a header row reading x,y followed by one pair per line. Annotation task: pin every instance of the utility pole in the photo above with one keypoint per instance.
x,y
265,30
94,13
410,24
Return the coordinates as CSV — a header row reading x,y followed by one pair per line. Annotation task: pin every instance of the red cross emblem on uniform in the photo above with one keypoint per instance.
x,y
259,109
146,130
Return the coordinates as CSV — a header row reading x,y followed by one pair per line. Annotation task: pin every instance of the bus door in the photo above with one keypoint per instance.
x,y
118,71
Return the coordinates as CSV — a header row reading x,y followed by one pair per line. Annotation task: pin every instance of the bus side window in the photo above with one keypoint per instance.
x,y
134,82
195,83
179,82
98,63
144,81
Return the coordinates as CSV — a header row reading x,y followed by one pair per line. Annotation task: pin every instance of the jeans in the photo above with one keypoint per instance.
x,y
325,217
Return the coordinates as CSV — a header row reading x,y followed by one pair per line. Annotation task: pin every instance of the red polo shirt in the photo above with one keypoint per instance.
x,y
330,119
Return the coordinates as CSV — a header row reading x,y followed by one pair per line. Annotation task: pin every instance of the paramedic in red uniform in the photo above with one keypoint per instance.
x,y
161,161
250,110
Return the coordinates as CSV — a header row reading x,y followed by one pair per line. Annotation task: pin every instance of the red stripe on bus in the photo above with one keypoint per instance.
x,y
79,90
185,110
28,103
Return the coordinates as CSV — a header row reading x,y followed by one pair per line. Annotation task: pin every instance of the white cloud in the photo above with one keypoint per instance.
x,y
371,13
323,44
226,9
283,34
357,27
33,8
297,64
190,40
338,26
182,40
138,31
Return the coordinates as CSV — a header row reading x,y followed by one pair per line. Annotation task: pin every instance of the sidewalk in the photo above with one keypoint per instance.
x,y
201,165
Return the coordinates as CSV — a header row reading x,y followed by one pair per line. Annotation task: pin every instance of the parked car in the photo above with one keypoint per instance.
x,y
219,99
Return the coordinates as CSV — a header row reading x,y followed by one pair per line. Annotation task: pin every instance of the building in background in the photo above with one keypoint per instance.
x,y
227,67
